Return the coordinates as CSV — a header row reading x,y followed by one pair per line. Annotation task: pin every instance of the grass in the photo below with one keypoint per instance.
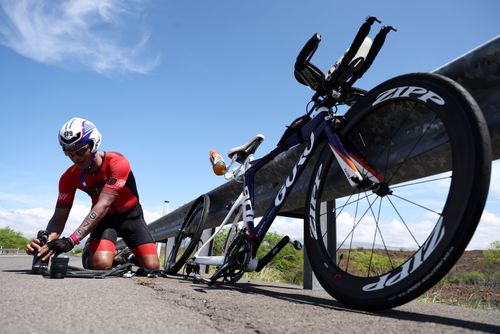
x,y
463,295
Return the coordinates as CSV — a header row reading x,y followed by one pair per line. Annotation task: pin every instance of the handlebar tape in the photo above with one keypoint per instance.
x,y
363,31
378,42
307,52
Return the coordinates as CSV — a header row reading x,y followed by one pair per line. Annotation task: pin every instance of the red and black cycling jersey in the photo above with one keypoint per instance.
x,y
114,176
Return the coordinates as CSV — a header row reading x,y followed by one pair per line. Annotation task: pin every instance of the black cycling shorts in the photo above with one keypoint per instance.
x,y
129,225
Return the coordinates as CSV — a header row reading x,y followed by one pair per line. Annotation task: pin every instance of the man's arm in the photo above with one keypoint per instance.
x,y
56,224
98,211
54,227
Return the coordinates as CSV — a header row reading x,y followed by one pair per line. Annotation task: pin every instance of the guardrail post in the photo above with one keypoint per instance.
x,y
207,233
160,248
327,222
169,244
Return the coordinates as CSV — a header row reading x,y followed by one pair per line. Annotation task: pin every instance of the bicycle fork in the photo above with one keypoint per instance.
x,y
351,164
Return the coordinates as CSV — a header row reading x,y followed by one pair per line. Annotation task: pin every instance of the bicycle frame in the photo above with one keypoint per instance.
x,y
318,128
219,260
313,132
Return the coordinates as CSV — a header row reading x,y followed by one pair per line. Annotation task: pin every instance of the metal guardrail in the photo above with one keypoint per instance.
x,y
478,71
12,251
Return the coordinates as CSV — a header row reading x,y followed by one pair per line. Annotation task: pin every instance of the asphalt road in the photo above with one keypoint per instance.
x,y
34,304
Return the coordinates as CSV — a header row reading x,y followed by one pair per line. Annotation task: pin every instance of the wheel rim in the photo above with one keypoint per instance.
x,y
378,230
186,240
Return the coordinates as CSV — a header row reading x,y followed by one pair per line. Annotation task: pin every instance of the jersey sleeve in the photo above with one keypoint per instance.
x,y
119,170
67,191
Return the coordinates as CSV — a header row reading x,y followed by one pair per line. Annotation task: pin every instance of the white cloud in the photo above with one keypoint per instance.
x,y
30,221
292,227
151,216
487,231
494,191
89,32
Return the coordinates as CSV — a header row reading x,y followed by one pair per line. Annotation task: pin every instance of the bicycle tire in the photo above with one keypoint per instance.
x,y
189,235
354,271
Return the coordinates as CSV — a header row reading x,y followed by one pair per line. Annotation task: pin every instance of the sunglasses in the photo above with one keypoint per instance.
x,y
78,152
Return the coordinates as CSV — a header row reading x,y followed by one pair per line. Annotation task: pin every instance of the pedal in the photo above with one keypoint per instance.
x,y
296,244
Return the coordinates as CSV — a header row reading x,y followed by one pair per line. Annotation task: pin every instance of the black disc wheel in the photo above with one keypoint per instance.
x,y
422,145
189,235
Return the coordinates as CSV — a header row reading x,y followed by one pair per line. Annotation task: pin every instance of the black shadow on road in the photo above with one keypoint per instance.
x,y
283,294
19,271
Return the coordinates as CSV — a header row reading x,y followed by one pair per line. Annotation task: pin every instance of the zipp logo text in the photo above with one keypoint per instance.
x,y
420,93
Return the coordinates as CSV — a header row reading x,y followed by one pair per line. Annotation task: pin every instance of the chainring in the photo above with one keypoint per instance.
x,y
238,256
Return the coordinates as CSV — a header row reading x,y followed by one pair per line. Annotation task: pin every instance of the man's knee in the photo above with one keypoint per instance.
x,y
147,256
149,262
100,261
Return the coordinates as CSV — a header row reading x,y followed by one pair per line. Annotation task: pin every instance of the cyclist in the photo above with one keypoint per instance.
x,y
107,178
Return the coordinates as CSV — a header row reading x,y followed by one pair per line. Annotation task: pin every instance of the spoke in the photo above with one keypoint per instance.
x,y
374,236
355,225
420,182
386,149
403,121
416,204
412,149
343,206
382,237
403,221
352,236
377,229
355,201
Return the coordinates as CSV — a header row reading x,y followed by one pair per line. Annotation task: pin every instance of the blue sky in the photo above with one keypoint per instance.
x,y
166,81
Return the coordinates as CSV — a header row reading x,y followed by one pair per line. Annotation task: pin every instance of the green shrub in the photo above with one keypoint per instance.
x,y
367,262
286,267
12,239
492,255
469,278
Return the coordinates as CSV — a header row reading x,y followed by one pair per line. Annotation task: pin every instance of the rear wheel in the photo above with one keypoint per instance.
x,y
189,235
383,245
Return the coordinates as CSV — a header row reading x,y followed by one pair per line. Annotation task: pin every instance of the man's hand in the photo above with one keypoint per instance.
x,y
33,246
58,246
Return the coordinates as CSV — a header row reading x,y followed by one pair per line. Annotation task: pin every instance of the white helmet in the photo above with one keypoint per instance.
x,y
77,132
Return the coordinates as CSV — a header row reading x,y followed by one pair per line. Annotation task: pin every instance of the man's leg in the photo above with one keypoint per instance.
x,y
102,253
102,244
147,256
135,232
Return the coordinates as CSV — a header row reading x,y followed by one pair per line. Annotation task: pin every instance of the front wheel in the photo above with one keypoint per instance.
x,y
379,246
187,239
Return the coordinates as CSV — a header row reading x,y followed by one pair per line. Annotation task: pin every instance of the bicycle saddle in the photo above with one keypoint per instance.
x,y
243,151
